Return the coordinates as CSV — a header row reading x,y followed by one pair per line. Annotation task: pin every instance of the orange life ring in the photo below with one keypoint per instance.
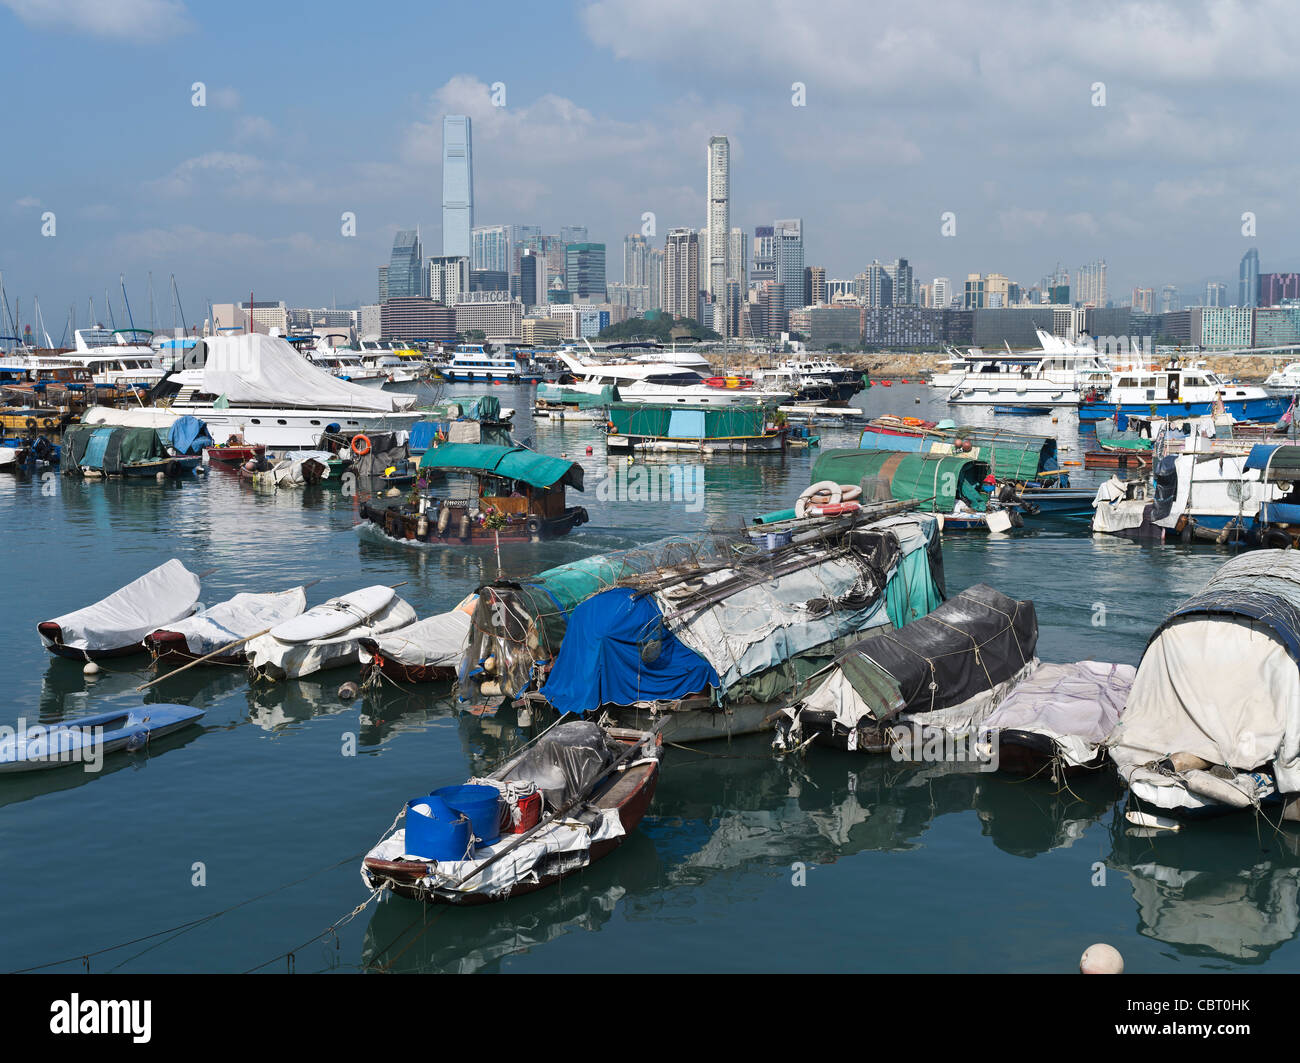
x,y
356,449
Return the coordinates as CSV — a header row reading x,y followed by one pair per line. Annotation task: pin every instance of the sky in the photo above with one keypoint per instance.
x,y
1052,132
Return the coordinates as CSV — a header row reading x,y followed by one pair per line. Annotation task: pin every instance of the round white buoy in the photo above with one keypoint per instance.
x,y
1101,959
91,668
347,691
160,477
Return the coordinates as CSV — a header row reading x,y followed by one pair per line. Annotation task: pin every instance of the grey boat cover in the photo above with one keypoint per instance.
x,y
565,761
126,616
1075,705
436,641
1219,681
292,660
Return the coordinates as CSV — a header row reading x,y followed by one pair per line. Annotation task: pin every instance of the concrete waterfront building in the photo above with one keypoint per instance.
x,y
1248,279
448,278
543,331
787,252
494,318
681,283
827,325
902,326
718,177
1277,325
584,270
457,185
416,318
490,248
1222,326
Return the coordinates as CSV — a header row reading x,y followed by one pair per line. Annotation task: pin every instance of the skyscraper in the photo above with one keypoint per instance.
x,y
874,286
1216,294
574,234
1144,300
655,278
787,253
900,278
942,293
383,283
1248,279
681,283
457,185
764,264
635,259
490,248
404,280
1091,283
719,215
531,268
448,279
584,271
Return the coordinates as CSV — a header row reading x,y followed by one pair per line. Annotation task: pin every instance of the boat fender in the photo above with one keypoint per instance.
x,y
534,527
830,488
444,518
48,422
1276,539
422,526
31,422
1185,536
464,525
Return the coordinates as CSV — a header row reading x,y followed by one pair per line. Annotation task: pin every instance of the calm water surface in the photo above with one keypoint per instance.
x,y
907,869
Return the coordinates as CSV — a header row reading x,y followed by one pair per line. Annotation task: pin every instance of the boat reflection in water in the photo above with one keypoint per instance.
x,y
1233,896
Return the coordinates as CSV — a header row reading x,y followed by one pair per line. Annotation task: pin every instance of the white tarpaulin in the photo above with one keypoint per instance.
x,y
289,660
241,616
156,599
1217,487
438,641
1223,689
130,416
1075,705
266,370
1112,512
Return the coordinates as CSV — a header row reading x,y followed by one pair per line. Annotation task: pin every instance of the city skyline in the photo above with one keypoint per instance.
x,y
233,196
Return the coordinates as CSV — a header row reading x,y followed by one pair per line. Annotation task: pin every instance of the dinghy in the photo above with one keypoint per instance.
x,y
87,740
327,635
210,629
424,652
567,800
116,626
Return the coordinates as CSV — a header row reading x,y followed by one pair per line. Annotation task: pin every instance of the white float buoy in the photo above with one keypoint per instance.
x,y
347,691
91,668
1101,959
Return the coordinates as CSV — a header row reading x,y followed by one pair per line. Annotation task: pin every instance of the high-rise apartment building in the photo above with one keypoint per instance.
x,y
787,252
874,286
900,278
636,260
383,284
738,258
655,278
941,293
1170,299
764,263
447,279
1274,287
490,248
1216,294
1144,300
1090,288
681,275
719,221
457,185
573,234
814,285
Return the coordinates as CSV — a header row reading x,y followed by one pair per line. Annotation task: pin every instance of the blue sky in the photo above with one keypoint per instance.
x,y
312,111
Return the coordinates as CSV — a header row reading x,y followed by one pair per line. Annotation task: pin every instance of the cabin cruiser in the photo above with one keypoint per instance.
x,y
655,382
474,361
115,357
259,388
1284,381
1060,373
1181,390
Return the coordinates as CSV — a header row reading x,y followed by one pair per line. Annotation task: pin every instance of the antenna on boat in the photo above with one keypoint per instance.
x,y
152,323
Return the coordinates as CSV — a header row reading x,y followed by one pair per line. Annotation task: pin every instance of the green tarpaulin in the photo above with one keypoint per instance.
x,y
936,482
687,422
583,400
509,463
109,449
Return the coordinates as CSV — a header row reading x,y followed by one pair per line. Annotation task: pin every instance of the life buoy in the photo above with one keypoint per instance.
x,y
834,509
534,527
48,422
913,420
850,492
357,440
829,488
31,422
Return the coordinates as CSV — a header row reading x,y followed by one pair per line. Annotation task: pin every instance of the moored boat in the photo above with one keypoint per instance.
x,y
222,625
697,429
88,739
427,651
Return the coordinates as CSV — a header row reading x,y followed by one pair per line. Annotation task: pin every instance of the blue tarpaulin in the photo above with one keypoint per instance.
x,y
686,424
189,435
1259,455
617,651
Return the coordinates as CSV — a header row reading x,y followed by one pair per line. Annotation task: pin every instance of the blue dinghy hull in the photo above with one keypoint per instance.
x,y
87,740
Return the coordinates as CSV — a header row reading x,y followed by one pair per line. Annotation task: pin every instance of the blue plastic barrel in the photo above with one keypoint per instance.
x,y
442,835
482,804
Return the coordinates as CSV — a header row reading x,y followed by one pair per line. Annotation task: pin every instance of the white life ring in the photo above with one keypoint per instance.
x,y
849,492
828,487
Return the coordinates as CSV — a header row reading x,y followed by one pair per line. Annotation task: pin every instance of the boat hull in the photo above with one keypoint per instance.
x,y
398,524
1263,409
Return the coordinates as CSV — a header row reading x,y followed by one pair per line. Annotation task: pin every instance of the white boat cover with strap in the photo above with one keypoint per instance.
x,y
266,370
130,416
290,660
436,642
125,617
241,616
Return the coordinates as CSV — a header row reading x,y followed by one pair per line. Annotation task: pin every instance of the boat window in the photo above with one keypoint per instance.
x,y
315,422
281,421
256,420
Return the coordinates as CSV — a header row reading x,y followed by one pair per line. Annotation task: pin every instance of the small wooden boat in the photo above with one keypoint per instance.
x,y
227,622
427,651
1117,459
88,739
580,820
116,626
232,456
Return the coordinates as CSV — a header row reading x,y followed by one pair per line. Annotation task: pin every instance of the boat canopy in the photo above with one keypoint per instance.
x,y
1010,455
485,408
508,463
935,481
687,422
266,370
108,449
584,400
617,651
1281,462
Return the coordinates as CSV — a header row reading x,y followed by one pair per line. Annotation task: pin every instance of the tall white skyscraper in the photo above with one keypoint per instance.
x,y
635,259
942,292
491,248
787,251
457,186
719,215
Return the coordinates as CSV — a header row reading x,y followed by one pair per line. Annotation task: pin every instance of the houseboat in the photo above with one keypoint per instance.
x,y
699,429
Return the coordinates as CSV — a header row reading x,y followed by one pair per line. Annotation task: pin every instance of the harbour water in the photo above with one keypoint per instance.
x,y
833,861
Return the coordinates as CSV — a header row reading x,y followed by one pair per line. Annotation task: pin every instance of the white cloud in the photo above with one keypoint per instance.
x,y
135,20
27,202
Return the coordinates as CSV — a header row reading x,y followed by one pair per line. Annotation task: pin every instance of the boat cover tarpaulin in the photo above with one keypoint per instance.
x,y
485,408
289,660
935,481
584,400
189,435
1220,679
435,642
509,463
965,647
566,761
131,417
108,449
241,616
267,370
158,598
1075,705
618,652
1113,512
688,422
